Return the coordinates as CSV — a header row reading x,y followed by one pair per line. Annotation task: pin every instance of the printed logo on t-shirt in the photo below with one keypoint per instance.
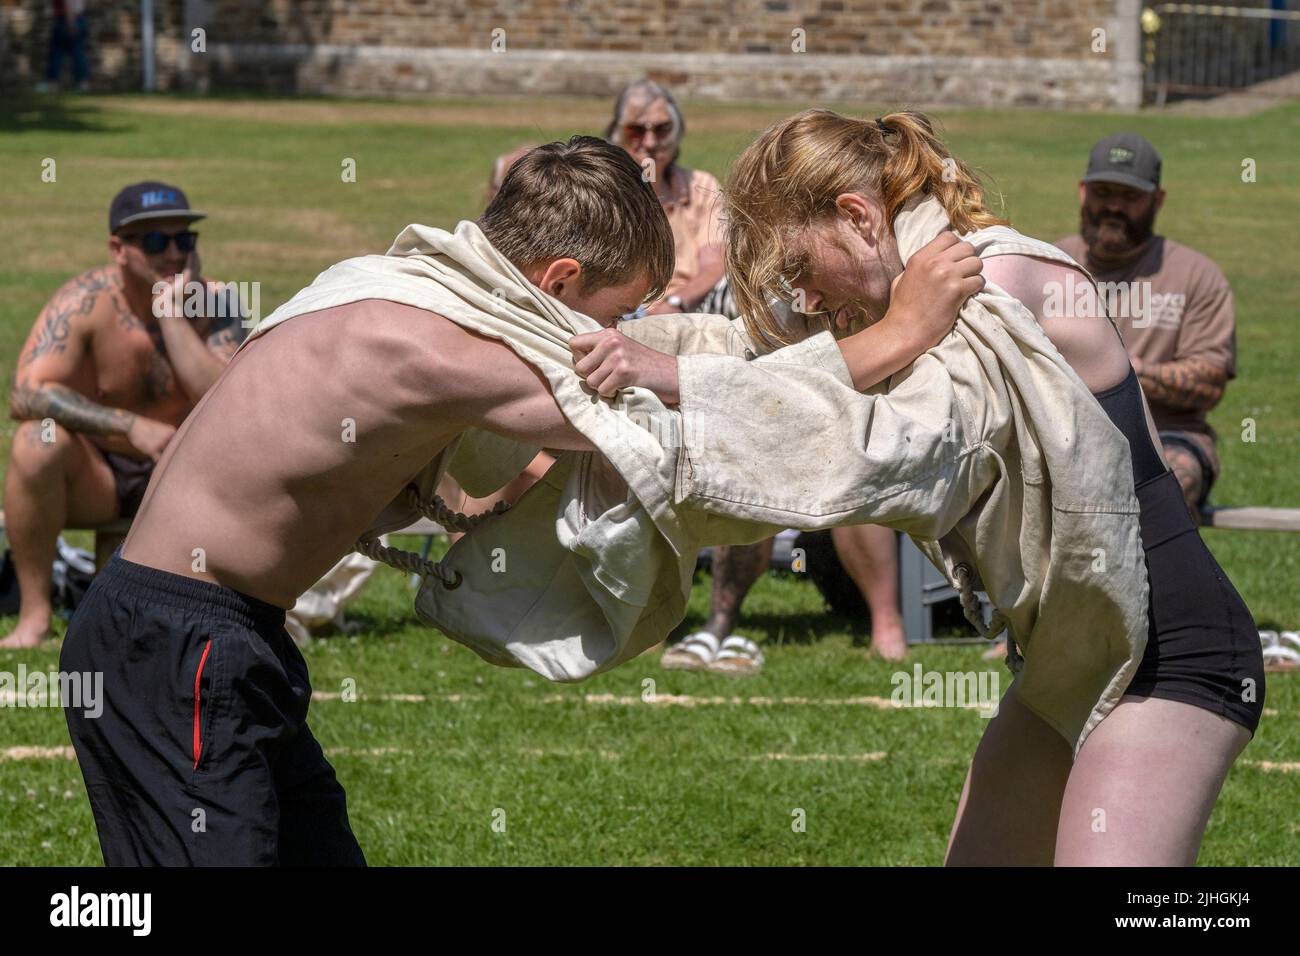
x,y
1164,311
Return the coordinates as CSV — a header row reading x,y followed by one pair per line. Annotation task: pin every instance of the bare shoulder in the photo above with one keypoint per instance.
x,y
71,316
1085,338
93,292
1031,280
418,351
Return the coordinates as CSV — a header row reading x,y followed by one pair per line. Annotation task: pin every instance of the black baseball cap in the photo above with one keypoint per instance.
x,y
150,200
1127,159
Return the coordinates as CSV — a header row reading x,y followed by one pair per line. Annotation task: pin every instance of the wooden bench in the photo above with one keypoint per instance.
x,y
1251,518
109,536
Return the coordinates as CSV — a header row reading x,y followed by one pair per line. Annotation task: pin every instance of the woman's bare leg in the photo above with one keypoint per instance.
x,y
1011,801
1144,784
869,554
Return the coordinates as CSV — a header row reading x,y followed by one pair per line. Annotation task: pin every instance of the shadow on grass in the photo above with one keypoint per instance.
x,y
30,113
367,624
775,629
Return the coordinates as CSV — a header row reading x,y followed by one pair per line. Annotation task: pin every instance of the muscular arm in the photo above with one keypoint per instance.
x,y
493,388
1190,384
197,360
69,408
54,350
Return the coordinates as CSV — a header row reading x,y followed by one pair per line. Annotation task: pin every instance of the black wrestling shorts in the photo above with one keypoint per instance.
x,y
201,755
1202,643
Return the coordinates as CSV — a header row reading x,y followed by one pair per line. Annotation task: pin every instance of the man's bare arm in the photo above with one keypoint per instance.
x,y
69,408
225,335
493,388
1191,384
53,334
55,348
195,362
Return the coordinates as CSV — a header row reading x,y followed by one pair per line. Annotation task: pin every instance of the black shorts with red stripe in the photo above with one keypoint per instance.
x,y
200,754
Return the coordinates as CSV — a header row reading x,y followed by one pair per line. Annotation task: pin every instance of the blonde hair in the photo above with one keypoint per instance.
x,y
788,179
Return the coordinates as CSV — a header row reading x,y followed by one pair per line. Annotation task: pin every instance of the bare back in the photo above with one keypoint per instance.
x,y
313,429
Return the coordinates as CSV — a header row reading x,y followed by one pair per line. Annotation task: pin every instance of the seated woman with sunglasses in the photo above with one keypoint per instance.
x,y
109,371
649,125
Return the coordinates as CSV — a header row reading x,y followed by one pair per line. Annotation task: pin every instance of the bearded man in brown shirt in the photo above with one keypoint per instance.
x,y
1172,304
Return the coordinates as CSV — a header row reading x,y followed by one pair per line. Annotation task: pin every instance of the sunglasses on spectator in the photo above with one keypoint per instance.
x,y
157,241
639,130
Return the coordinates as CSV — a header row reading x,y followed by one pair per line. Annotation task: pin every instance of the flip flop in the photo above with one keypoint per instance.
x,y
695,652
738,657
1280,660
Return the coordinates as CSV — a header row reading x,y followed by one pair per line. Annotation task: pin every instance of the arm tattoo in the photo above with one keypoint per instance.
x,y
226,333
71,409
1187,385
77,298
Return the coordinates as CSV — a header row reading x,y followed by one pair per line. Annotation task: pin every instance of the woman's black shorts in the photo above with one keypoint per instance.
x,y
1202,643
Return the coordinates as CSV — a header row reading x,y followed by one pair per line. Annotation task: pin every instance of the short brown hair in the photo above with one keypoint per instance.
x,y
788,179
584,200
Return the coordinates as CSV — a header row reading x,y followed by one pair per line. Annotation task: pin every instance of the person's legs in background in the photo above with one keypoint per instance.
x,y
869,554
77,44
59,37
1191,470
735,569
49,484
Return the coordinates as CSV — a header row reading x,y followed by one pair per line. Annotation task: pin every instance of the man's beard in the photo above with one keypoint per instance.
x,y
1106,240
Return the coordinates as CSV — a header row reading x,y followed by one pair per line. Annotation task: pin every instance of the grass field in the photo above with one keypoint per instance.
x,y
440,746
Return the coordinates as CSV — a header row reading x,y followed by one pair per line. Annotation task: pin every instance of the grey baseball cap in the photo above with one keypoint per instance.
x,y
1124,158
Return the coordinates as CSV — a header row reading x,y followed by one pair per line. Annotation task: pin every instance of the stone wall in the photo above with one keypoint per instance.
x,y
919,52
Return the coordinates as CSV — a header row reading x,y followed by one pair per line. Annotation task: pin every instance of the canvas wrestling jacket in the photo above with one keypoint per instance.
x,y
988,450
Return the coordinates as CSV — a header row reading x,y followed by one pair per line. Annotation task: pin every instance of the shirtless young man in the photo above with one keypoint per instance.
x,y
206,696
103,382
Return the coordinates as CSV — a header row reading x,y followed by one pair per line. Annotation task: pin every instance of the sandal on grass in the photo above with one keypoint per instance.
x,y
1280,660
738,657
693,653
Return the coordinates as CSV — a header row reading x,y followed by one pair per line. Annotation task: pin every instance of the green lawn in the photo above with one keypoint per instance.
x,y
594,774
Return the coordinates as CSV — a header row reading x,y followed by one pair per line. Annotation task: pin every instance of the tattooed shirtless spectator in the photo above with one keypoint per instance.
x,y
108,372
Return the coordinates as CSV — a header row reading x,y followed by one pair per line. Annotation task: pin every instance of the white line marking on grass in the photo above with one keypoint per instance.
x,y
687,700
67,753
1268,766
665,700
855,758
675,700
38,753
